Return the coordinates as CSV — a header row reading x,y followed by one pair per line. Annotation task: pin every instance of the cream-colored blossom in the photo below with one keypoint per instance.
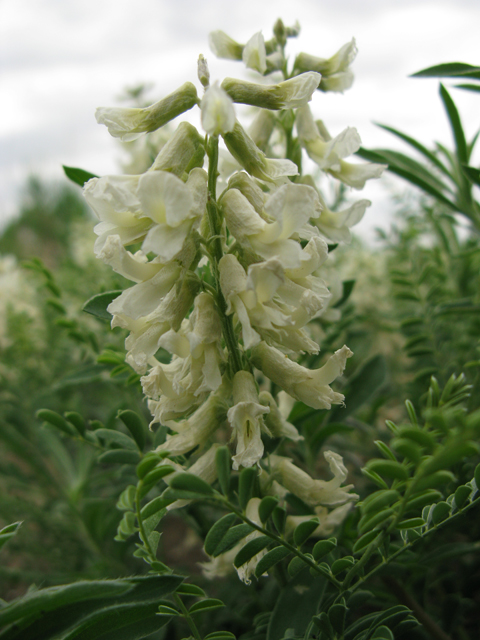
x,y
275,421
326,154
225,47
336,72
308,386
204,468
217,112
254,54
197,429
246,419
130,123
314,492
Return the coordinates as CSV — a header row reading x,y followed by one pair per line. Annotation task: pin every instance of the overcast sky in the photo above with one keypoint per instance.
x,y
60,59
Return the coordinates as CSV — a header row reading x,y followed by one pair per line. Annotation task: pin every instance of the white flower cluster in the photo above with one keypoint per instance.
x,y
227,286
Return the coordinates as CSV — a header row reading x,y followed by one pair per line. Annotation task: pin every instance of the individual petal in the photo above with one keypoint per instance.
x,y
254,54
129,123
164,198
185,147
290,94
329,153
131,266
278,426
224,47
356,175
217,112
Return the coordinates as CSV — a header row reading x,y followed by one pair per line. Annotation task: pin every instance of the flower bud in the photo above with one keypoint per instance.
x,y
202,71
290,94
129,123
218,115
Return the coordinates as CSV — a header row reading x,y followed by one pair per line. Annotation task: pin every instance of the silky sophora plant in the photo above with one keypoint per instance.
x,y
233,238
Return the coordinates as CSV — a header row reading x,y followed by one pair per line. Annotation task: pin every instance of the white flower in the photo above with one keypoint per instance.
x,y
329,520
314,492
275,421
173,207
290,94
308,386
184,146
217,112
195,430
254,54
253,160
225,47
246,419
129,123
336,225
329,153
356,175
336,73
289,208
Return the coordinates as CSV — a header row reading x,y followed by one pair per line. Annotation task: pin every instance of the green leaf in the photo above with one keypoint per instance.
x,y
246,482
206,605
165,610
378,500
382,633
323,547
449,70
296,565
97,305
186,589
119,456
472,173
56,420
148,462
78,176
304,530
266,507
110,436
270,559
388,468
279,517
433,480
415,173
416,145
155,475
365,540
411,523
385,450
325,432
455,122
440,512
346,293
223,466
8,532
373,521
375,478
468,87
217,532
337,614
251,549
231,538
135,425
361,387
126,499
342,564
220,635
462,494
154,506
191,483
77,420
44,600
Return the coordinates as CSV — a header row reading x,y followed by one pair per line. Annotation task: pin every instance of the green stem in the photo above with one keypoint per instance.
x,y
286,544
216,253
188,617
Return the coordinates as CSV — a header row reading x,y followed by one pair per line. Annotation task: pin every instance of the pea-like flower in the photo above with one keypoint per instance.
x,y
129,123
246,419
308,386
218,114
314,492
